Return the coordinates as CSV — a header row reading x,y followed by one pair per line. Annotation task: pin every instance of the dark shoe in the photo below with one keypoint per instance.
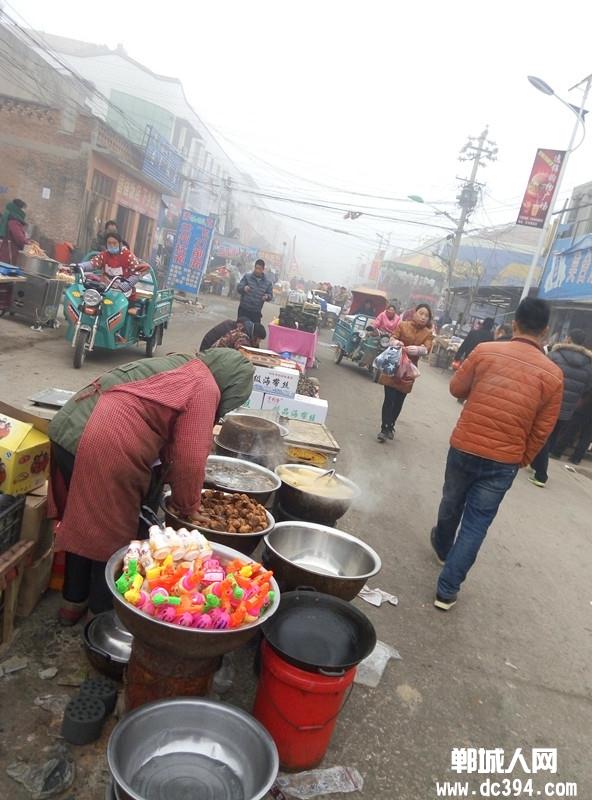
x,y
555,456
381,437
390,434
445,603
575,460
441,561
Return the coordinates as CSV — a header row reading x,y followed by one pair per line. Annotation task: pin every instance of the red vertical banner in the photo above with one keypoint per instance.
x,y
541,187
376,266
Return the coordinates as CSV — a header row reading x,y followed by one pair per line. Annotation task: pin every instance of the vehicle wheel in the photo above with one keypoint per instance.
x,y
2,312
339,355
152,343
160,336
80,349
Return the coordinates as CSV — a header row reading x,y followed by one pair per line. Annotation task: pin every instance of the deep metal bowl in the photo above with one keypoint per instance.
x,y
175,639
307,505
108,644
234,486
191,747
328,560
245,543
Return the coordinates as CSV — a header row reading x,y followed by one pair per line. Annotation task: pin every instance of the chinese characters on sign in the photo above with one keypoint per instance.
x,y
541,187
135,195
568,273
191,251
161,162
492,762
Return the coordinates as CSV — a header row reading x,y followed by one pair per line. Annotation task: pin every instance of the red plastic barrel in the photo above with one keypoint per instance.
x,y
298,708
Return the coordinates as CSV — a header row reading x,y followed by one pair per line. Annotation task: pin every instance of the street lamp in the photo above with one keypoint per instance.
x,y
544,87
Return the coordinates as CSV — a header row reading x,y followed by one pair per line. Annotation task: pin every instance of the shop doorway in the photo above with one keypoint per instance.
x,y
124,219
144,237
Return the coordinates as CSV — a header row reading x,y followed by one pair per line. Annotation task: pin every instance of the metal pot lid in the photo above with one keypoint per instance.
x,y
106,633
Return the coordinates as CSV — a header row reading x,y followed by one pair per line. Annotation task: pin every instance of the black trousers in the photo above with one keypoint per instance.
x,y
391,407
249,313
84,578
540,463
579,428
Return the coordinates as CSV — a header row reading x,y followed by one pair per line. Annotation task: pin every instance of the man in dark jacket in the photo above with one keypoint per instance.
x,y
484,334
254,290
575,361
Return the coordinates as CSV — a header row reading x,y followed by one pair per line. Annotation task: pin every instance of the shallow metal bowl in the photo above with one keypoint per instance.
x,y
305,504
175,639
238,464
191,747
245,543
331,561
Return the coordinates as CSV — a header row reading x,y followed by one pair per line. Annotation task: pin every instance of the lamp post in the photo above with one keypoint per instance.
x,y
544,87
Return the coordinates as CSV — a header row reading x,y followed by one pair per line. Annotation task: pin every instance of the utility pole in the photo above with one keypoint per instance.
x,y
228,217
479,150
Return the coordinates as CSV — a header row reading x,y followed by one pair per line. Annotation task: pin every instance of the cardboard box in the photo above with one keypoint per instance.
x,y
24,451
271,402
306,409
255,401
300,361
35,524
276,380
36,578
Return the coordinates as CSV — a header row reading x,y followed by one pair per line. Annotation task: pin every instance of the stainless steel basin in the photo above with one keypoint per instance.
x,y
331,561
175,639
191,747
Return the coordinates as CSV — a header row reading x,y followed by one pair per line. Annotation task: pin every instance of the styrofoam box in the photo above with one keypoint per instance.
x,y
276,380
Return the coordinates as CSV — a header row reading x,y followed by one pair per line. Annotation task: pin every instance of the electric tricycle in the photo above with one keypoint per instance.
x,y
100,315
354,336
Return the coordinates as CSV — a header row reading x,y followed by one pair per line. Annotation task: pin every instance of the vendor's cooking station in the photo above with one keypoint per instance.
x,y
37,298
260,568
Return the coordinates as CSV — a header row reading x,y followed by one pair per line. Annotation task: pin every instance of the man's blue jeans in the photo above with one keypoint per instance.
x,y
474,487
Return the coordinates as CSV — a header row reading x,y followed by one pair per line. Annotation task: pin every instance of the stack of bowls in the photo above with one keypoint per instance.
x,y
251,438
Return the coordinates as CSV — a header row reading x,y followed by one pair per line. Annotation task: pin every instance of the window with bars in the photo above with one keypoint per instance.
x,y
102,185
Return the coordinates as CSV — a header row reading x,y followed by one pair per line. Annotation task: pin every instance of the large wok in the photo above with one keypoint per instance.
x,y
320,633
306,505
174,639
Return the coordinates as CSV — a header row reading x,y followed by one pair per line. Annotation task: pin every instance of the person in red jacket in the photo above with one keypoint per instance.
x,y
118,262
513,394
13,233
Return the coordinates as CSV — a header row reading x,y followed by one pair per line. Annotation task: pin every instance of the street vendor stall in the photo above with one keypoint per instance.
x,y
294,341
7,282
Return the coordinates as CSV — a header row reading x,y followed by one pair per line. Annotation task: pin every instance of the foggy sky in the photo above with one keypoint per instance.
x,y
377,97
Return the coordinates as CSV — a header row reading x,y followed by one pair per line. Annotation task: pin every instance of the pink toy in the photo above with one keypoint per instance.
x,y
198,599
222,620
159,590
204,621
185,619
144,598
213,571
149,608
166,614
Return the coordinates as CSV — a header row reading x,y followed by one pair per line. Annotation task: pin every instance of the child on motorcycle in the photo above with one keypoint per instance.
x,y
117,262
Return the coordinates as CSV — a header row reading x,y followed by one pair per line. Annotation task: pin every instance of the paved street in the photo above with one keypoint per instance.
x,y
508,667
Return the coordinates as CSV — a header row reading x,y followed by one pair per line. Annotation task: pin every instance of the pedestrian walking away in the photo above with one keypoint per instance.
x,y
473,338
415,337
13,231
578,429
254,289
575,362
513,395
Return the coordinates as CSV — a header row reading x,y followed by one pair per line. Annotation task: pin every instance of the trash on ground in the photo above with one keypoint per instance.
x,y
509,664
47,674
13,664
371,669
376,597
315,782
54,703
47,779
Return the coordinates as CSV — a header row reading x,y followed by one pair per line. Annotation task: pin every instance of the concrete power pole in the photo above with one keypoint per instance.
x,y
479,150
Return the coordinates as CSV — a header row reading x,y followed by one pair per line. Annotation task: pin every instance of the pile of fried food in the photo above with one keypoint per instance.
x,y
230,513
33,248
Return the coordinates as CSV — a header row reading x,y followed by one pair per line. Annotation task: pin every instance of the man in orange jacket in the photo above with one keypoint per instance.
x,y
513,395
